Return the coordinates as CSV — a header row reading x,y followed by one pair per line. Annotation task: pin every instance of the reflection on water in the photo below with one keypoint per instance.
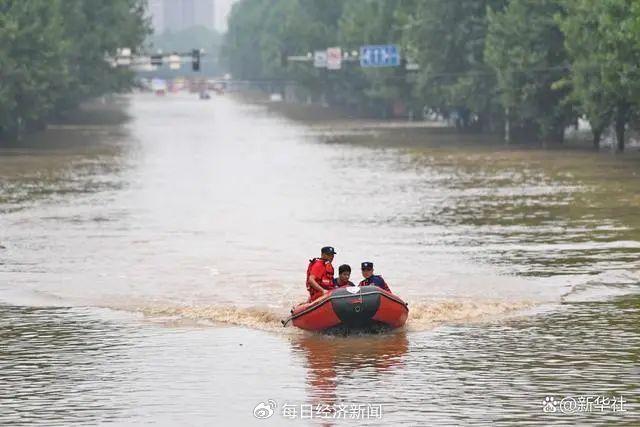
x,y
194,221
331,361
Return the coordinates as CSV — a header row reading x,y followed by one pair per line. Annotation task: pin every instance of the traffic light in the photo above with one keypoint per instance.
x,y
195,60
156,60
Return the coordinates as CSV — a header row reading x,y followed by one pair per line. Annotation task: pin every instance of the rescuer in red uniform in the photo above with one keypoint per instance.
x,y
320,273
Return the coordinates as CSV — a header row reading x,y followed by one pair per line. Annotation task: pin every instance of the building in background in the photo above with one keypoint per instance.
x,y
156,12
177,15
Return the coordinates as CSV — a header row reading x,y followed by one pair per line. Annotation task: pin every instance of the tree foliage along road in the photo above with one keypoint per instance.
x,y
539,63
52,55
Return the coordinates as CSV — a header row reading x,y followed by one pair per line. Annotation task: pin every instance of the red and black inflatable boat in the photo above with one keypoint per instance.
x,y
352,307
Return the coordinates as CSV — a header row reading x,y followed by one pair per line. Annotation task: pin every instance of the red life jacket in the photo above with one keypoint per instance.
x,y
326,280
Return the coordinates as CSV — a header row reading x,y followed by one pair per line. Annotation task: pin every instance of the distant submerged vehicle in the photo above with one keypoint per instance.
x,y
204,95
218,87
159,86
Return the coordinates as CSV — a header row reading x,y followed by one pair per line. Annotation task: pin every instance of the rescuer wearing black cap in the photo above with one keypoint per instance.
x,y
320,273
372,279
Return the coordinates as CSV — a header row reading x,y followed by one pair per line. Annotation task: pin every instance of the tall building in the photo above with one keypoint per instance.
x,y
156,11
176,15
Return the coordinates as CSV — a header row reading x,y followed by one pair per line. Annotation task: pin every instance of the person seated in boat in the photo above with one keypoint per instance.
x,y
320,273
372,279
344,272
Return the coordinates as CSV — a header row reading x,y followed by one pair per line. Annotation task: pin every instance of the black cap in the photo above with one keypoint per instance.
x,y
328,250
367,265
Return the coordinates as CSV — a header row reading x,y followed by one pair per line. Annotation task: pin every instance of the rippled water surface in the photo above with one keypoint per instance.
x,y
146,263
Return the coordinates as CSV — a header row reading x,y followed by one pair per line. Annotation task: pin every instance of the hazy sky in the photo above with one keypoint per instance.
x,y
223,7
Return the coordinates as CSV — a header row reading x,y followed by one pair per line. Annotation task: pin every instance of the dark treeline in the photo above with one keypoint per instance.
x,y
52,55
536,64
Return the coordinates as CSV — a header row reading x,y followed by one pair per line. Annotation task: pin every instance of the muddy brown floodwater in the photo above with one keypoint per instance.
x,y
147,262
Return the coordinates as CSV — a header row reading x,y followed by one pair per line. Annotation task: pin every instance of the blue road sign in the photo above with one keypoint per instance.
x,y
384,55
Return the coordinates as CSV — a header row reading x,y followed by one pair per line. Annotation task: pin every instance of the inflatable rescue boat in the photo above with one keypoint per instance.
x,y
352,307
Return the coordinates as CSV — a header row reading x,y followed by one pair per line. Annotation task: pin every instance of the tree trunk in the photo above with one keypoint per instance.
x,y
597,136
621,122
620,138
558,134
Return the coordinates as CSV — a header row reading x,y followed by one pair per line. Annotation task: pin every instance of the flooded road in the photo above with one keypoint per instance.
x,y
146,265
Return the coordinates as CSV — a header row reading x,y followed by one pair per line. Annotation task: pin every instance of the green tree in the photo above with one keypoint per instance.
x,y
262,34
537,63
374,22
447,39
32,67
94,28
52,55
240,49
525,47
603,41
